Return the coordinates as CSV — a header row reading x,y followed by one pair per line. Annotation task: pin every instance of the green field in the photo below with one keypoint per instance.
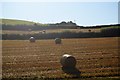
x,y
18,22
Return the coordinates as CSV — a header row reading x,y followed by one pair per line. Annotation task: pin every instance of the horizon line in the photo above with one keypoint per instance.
x,y
60,22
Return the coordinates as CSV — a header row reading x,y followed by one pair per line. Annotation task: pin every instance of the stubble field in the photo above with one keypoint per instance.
x,y
96,57
49,31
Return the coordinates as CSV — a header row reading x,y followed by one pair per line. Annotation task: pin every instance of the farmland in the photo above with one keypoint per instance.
x,y
49,31
21,30
17,22
96,57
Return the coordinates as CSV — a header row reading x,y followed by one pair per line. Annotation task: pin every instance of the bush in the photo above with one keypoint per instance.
x,y
111,32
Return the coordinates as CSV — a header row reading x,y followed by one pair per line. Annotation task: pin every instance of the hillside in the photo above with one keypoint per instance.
x,y
18,22
11,24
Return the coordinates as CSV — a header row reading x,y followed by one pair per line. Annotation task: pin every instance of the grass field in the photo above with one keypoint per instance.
x,y
96,57
17,22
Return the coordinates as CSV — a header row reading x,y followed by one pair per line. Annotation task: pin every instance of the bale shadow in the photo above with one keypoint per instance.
x,y
72,71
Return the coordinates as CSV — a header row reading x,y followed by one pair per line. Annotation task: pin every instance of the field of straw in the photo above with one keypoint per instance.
x,y
96,57
49,31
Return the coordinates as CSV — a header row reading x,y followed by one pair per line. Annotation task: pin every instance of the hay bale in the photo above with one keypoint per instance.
x,y
89,30
68,61
32,39
57,40
43,31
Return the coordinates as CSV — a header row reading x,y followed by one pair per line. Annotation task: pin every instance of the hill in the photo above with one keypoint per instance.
x,y
18,22
10,24
20,29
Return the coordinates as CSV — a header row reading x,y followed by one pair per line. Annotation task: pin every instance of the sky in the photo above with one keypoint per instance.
x,y
82,13
59,0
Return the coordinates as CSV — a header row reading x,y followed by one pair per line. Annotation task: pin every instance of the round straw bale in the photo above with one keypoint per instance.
x,y
57,40
32,39
68,61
